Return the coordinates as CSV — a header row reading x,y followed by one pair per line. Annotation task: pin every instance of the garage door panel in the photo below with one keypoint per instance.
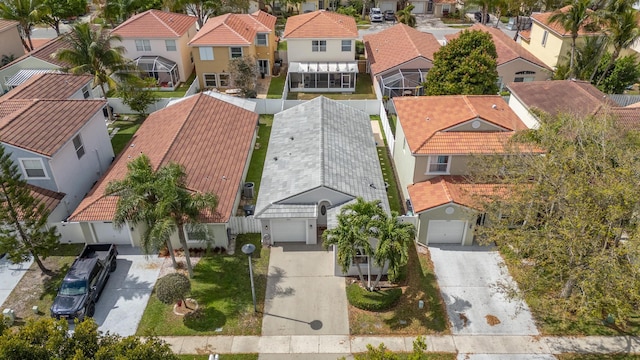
x,y
445,231
289,231
418,8
106,232
388,5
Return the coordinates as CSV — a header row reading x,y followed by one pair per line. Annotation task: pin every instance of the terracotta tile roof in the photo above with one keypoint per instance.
x,y
155,24
443,190
468,142
543,19
627,118
507,49
45,52
568,96
525,35
38,43
320,24
7,24
397,45
234,29
51,199
422,117
209,137
44,126
48,86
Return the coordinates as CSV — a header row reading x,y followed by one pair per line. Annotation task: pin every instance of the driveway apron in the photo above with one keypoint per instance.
x,y
303,296
473,281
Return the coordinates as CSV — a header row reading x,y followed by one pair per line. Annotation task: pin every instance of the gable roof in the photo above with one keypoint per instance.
x,y
567,96
234,29
543,19
507,49
320,143
7,24
211,138
424,117
397,45
155,24
49,198
45,52
44,126
320,24
49,86
442,190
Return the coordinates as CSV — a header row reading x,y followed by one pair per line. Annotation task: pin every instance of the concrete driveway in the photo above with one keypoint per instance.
x,y
127,292
10,275
472,281
303,296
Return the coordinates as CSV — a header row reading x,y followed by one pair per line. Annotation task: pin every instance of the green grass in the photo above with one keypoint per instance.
x,y
282,45
127,130
504,19
426,356
393,195
276,86
393,119
372,300
221,286
254,174
597,357
364,90
222,356
179,92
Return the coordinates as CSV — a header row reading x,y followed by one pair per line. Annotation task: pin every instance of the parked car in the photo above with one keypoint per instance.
x,y
389,15
478,16
83,283
375,15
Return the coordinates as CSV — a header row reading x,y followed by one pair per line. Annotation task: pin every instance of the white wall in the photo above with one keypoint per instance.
x,y
299,50
522,112
403,160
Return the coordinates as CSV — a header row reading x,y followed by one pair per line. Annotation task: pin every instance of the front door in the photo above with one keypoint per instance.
x,y
430,7
346,81
320,4
263,67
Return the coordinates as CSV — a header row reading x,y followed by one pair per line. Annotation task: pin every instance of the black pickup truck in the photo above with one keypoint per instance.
x,y
84,282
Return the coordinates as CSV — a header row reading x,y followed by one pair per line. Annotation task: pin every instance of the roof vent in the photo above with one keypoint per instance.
x,y
372,185
291,138
427,118
494,106
275,158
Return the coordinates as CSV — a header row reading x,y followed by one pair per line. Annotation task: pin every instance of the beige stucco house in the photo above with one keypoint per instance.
x,y
157,41
230,36
10,43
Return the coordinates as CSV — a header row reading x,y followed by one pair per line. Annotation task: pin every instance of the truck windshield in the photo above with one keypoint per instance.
x,y
73,288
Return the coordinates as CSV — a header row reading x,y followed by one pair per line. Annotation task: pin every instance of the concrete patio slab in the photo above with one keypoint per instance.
x,y
10,276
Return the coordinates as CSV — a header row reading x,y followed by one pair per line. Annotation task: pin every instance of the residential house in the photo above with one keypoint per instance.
x,y
10,43
321,156
515,64
230,36
438,8
212,138
579,98
436,137
321,52
549,41
34,62
53,86
157,41
399,58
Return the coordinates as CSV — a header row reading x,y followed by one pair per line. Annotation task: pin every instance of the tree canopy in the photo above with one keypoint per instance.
x,y
465,66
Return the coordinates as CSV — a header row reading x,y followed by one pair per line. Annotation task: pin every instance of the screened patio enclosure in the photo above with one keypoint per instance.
x,y
163,70
403,83
322,76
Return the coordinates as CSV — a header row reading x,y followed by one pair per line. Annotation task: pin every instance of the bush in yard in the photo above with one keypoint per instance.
x,y
372,300
173,288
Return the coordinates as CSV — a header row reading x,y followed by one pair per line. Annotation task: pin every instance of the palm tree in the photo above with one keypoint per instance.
x,y
91,52
572,19
622,32
406,17
356,226
25,12
394,238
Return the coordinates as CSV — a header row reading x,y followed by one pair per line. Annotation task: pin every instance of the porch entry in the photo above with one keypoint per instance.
x,y
263,67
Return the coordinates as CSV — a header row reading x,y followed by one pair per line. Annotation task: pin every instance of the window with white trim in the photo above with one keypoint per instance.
x,y
545,35
236,52
210,80
170,45
521,76
79,146
143,45
346,45
360,258
33,168
438,164
318,45
261,39
206,53
196,233
224,80
85,92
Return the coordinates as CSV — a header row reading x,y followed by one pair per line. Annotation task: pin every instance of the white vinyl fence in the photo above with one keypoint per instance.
x,y
244,225
387,128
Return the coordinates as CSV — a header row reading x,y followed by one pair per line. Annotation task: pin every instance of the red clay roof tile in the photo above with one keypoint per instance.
x,y
444,190
155,24
48,86
320,24
234,29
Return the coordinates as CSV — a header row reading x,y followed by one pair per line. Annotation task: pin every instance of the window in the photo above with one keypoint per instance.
x,y
318,45
236,52
206,53
85,92
544,38
360,258
346,45
224,80
520,76
33,169
143,45
261,39
196,233
170,44
210,80
77,144
446,8
438,164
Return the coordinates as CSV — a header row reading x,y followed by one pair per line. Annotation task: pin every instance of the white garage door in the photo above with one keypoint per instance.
x,y
289,231
388,5
107,233
445,231
308,7
419,7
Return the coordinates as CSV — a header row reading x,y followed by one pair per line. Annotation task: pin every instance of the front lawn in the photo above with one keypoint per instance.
x,y
222,356
276,87
126,129
221,286
259,153
406,318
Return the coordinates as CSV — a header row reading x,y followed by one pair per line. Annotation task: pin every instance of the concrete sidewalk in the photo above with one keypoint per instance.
x,y
344,344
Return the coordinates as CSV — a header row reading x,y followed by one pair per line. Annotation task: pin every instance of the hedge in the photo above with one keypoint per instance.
x,y
378,300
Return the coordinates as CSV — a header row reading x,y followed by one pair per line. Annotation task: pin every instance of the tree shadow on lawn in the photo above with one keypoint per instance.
x,y
52,283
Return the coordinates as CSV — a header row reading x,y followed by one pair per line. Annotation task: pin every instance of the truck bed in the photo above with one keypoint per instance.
x,y
100,251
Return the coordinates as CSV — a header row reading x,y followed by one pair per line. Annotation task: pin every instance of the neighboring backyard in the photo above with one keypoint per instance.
x,y
364,90
259,153
179,92
121,131
221,286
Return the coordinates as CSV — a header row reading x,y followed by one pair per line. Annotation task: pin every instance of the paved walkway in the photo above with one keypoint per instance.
x,y
345,344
